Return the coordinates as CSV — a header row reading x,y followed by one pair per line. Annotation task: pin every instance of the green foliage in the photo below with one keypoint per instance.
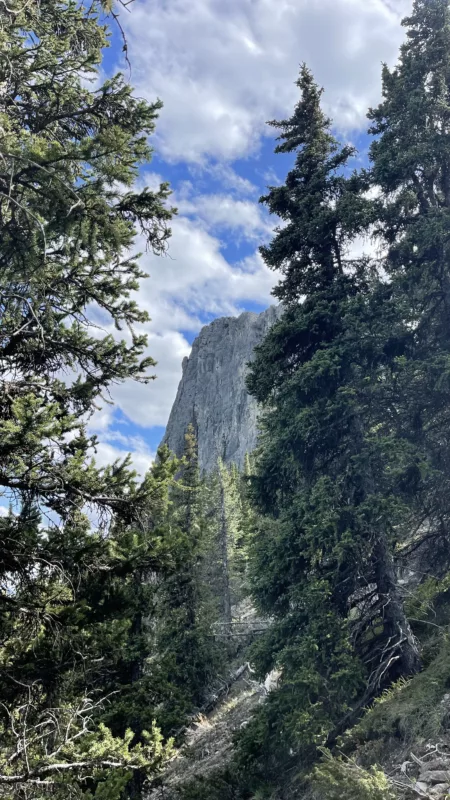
x,y
296,718
68,216
413,710
328,469
221,785
83,662
188,658
231,524
422,602
80,754
71,591
410,167
335,778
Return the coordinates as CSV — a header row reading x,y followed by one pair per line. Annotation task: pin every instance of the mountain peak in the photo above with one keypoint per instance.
x,y
212,394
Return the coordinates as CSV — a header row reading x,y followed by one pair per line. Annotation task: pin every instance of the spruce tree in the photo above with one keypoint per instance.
x,y
322,559
410,165
185,651
230,520
69,156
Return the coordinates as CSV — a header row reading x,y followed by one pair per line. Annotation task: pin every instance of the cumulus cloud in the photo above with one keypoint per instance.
x,y
195,279
223,69
221,212
106,453
149,404
230,179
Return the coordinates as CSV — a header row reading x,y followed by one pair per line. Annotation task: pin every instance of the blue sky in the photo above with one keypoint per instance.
x,y
222,69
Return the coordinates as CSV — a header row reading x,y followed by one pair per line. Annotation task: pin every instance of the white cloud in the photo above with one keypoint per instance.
x,y
222,212
101,420
230,179
142,457
225,174
195,279
223,69
150,404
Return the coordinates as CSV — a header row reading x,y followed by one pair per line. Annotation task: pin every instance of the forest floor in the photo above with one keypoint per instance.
x,y
209,739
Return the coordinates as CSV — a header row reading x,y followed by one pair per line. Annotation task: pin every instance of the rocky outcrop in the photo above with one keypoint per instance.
x,y
212,393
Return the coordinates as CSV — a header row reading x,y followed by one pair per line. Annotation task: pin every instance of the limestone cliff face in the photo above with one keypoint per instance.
x,y
212,394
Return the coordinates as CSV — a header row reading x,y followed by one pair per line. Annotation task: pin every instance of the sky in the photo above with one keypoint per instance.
x,y
223,68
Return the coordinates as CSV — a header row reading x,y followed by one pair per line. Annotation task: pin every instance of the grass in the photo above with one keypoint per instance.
x,y
411,710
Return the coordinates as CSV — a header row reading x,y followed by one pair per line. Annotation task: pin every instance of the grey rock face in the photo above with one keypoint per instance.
x,y
212,394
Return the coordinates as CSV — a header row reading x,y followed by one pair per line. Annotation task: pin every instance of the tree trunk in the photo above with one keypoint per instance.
x,y
401,654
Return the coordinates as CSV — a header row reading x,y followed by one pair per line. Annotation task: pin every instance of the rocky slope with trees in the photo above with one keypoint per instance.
x,y
122,600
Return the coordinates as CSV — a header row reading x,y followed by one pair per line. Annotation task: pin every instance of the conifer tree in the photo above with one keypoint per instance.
x,y
184,645
230,521
69,215
225,533
323,553
410,166
146,551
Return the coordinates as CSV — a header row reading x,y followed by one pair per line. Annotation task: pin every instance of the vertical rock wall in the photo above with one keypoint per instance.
x,y
212,394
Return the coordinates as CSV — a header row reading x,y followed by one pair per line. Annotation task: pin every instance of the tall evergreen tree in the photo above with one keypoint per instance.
x,y
185,649
410,165
230,518
323,554
224,540
69,154
147,550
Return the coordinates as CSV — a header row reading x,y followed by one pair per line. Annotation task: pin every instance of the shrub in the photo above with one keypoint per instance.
x,y
336,778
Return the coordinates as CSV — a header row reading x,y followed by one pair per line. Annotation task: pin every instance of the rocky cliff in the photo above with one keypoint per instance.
x,y
212,394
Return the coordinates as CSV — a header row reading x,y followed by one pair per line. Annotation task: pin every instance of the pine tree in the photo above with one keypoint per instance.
x,y
239,481
323,553
224,525
70,658
69,217
230,518
67,228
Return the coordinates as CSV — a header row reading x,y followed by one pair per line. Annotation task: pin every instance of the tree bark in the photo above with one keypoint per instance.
x,y
402,653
